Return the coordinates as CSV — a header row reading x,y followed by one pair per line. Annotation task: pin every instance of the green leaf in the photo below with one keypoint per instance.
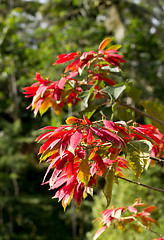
x,y
122,112
136,228
139,153
89,111
132,92
115,92
156,110
85,96
109,178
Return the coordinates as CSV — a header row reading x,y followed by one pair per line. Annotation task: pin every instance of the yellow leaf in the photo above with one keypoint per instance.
x,y
45,105
114,47
84,172
139,153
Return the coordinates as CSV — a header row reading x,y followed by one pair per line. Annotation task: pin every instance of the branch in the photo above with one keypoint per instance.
x,y
141,113
141,184
157,159
148,228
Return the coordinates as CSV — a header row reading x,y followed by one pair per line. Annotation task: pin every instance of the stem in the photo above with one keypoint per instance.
x,y
142,113
157,159
141,184
93,146
148,228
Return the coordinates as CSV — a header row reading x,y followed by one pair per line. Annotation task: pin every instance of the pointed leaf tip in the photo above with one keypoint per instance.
x,y
104,43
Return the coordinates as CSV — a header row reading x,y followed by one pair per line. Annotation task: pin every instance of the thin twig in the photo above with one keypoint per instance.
x,y
142,113
157,159
141,184
148,228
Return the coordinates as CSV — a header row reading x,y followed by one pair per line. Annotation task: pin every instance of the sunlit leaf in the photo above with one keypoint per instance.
x,y
71,120
114,47
45,105
139,153
99,232
104,43
84,172
115,92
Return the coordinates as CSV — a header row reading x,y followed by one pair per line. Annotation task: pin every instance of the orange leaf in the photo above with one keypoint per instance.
x,y
45,105
104,43
71,120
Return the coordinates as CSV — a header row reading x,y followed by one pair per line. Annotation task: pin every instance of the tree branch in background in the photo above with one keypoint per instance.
x,y
141,184
141,112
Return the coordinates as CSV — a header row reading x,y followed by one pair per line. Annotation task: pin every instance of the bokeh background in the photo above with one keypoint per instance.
x,y
32,34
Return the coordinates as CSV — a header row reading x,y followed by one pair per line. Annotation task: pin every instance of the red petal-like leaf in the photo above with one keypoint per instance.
x,y
87,120
100,164
132,209
60,181
65,57
76,138
78,194
44,136
109,124
99,232
150,209
113,138
61,83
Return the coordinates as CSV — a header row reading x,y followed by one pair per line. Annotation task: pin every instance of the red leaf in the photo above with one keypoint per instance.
x,y
69,169
110,124
60,181
99,232
132,209
61,83
50,143
73,66
38,104
98,133
78,194
49,128
90,139
150,209
100,164
76,138
80,152
113,138
65,57
87,120
44,136
53,163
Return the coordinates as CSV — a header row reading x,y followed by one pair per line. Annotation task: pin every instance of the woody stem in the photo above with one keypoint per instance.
x,y
142,113
148,228
141,184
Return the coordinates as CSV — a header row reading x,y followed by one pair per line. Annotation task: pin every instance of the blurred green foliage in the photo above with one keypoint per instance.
x,y
33,33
